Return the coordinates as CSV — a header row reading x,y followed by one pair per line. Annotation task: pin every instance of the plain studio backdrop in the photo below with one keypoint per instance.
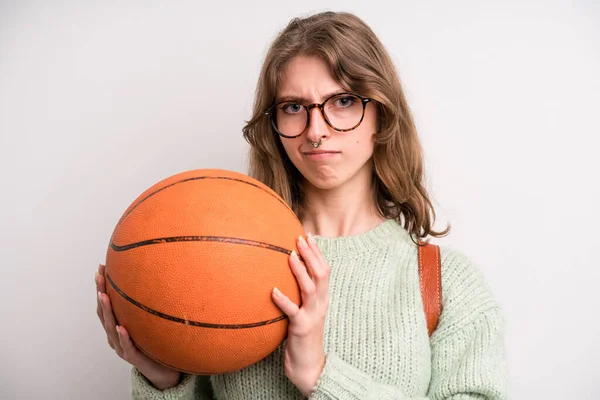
x,y
100,100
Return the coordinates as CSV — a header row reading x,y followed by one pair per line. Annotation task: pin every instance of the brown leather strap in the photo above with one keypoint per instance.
x,y
430,274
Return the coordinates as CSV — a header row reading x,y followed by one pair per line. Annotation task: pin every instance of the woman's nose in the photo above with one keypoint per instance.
x,y
317,126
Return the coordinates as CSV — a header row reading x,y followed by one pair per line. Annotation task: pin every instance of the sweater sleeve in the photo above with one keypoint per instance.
x,y
467,348
191,387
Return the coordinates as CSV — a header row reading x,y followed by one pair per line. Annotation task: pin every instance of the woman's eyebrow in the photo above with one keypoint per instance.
x,y
304,100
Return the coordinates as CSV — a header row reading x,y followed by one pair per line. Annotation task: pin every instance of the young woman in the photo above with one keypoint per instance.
x,y
333,135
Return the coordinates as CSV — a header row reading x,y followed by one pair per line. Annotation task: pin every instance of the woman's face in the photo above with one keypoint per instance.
x,y
342,157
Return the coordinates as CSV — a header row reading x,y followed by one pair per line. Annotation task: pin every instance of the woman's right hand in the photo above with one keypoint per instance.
x,y
160,376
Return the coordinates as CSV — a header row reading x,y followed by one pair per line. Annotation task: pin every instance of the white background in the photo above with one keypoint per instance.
x,y
100,100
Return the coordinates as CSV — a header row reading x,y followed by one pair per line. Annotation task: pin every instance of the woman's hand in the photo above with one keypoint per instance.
x,y
118,339
304,357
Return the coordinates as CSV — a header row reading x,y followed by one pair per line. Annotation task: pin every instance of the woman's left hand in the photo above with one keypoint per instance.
x,y
304,356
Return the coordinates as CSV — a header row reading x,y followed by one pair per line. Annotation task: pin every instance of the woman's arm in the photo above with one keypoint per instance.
x,y
190,387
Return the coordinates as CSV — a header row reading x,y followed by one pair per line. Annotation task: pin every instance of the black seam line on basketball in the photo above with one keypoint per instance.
x,y
188,322
222,239
198,178
167,364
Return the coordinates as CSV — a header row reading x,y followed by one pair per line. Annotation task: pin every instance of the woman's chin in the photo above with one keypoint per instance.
x,y
324,182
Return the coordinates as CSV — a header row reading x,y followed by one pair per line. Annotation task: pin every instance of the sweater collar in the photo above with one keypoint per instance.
x,y
346,246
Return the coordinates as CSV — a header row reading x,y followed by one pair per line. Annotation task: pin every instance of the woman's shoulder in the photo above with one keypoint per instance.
x,y
459,269
463,280
467,297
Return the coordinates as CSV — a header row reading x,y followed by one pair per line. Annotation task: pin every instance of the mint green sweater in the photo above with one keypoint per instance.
x,y
376,340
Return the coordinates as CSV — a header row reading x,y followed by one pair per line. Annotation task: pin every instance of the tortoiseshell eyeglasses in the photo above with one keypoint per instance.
x,y
342,111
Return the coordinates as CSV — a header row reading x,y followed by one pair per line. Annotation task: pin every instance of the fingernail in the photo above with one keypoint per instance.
x,y
311,239
302,241
118,333
276,291
96,277
295,255
100,299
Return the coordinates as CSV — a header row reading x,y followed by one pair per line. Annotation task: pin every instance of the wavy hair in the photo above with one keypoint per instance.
x,y
359,63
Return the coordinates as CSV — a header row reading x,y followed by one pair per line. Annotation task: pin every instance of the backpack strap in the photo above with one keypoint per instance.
x,y
430,275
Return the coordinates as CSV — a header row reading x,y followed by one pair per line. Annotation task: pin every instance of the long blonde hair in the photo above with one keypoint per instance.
x,y
360,63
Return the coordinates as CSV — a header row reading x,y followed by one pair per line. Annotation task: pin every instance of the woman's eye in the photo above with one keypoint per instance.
x,y
345,101
291,108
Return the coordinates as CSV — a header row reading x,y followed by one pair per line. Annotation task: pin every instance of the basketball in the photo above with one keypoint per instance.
x,y
190,269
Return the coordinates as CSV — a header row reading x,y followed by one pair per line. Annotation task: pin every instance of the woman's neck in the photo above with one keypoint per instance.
x,y
344,211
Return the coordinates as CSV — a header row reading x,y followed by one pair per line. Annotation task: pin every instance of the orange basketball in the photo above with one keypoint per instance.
x,y
191,266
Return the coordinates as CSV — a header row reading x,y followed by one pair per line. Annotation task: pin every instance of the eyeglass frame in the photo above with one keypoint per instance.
x,y
309,107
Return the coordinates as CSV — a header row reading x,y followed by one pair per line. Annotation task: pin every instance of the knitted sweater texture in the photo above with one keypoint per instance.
x,y
376,341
